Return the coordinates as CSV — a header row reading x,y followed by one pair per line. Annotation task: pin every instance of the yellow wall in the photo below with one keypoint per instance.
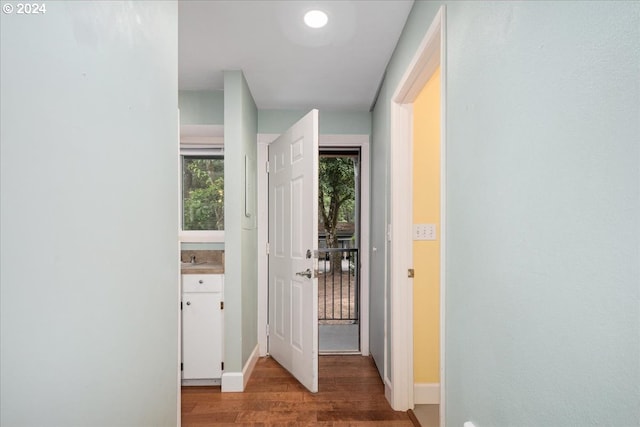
x,y
426,254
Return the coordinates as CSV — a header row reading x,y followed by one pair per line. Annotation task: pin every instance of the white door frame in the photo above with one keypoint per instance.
x,y
429,55
358,141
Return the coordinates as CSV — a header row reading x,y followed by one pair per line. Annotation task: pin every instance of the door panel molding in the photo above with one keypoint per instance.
x,y
293,219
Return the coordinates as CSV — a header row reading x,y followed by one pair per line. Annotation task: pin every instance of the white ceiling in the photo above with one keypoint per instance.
x,y
288,65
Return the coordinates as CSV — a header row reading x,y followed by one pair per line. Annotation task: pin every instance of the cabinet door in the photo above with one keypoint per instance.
x,y
201,335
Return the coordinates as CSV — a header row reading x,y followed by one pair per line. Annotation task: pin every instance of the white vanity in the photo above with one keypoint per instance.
x,y
202,328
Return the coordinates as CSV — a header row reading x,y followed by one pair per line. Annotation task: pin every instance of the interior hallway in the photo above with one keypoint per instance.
x,y
351,393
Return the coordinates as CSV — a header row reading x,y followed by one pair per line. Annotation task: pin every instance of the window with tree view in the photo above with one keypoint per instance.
x,y
202,193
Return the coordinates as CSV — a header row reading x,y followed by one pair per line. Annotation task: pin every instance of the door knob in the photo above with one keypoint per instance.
x,y
188,302
307,273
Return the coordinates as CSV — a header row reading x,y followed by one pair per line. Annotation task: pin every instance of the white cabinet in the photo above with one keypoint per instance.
x,y
202,283
202,326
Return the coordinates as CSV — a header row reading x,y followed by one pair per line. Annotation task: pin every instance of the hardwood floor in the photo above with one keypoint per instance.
x,y
350,394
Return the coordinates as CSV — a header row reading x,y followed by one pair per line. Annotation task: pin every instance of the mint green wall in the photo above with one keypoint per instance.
x,y
201,107
379,257
330,122
88,252
207,107
241,290
543,201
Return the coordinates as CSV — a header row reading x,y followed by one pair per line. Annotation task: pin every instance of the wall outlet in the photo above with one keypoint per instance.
x,y
424,232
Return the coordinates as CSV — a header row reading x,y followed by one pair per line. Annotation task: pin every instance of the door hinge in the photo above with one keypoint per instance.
x,y
268,248
267,327
411,273
221,305
182,366
222,365
266,166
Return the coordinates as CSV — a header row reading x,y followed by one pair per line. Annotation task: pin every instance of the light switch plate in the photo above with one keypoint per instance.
x,y
424,232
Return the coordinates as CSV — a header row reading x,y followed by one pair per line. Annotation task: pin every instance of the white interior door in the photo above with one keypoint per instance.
x,y
293,240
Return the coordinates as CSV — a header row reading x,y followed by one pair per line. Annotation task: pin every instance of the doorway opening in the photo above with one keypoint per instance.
x,y
339,277
404,391
334,144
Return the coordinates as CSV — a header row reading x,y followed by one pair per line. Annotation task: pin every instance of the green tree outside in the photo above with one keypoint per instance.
x,y
203,193
336,201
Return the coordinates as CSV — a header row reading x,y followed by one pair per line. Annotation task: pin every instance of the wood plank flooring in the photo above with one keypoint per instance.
x,y
350,394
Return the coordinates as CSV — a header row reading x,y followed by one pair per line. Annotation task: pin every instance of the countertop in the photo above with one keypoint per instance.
x,y
202,268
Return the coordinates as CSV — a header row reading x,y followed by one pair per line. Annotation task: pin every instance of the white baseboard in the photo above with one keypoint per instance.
x,y
248,367
387,390
207,382
426,393
233,382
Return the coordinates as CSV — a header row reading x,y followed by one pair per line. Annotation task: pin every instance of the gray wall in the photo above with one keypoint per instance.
x,y
241,237
201,107
543,193
89,256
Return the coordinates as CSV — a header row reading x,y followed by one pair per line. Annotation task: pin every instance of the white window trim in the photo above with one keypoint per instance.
x,y
194,147
197,236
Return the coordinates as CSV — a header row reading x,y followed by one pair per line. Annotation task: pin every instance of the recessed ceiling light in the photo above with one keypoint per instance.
x,y
316,19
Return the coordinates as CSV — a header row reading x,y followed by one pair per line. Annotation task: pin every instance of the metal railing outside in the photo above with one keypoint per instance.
x,y
338,291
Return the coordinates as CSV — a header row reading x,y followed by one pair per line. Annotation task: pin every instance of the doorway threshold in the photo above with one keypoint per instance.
x,y
339,339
